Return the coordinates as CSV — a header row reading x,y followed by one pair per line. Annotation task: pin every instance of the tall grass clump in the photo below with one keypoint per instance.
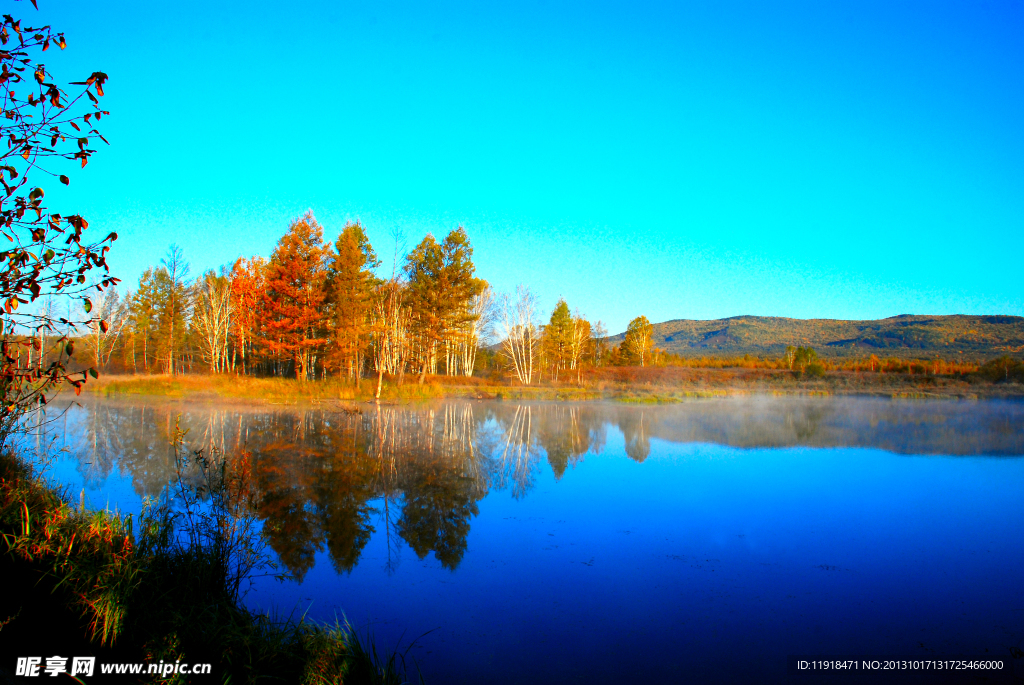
x,y
90,556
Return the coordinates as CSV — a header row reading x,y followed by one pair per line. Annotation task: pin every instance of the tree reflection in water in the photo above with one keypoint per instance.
x,y
636,433
328,479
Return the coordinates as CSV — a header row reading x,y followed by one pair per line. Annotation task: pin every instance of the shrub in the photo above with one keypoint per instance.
x,y
815,369
1003,369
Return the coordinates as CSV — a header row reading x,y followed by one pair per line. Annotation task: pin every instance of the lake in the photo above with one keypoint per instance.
x,y
508,542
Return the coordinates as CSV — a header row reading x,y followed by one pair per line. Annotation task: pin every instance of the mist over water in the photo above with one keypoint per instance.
x,y
598,542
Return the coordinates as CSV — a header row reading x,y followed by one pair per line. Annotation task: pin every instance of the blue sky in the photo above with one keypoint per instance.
x,y
679,160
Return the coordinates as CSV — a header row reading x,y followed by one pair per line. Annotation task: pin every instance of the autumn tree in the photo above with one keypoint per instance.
x,y
789,355
103,338
424,269
212,318
47,311
294,296
803,356
350,283
390,320
475,331
581,343
158,317
173,303
389,328
47,253
557,338
636,347
440,291
1002,369
248,282
142,318
599,335
520,334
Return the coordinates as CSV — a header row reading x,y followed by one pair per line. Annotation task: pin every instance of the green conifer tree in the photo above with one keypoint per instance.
x,y
558,336
350,282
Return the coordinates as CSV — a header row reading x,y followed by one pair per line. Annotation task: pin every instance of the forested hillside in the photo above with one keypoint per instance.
x,y
958,336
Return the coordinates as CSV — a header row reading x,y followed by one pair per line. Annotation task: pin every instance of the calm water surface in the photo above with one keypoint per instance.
x,y
601,543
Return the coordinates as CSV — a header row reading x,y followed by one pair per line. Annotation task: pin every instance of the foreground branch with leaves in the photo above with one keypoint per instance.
x,y
48,254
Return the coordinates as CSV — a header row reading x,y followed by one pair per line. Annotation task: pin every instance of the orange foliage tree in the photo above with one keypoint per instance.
x,y
248,281
293,321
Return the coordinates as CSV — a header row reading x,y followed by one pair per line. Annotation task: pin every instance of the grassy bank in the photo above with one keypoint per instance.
x,y
673,383
289,390
629,384
229,386
97,583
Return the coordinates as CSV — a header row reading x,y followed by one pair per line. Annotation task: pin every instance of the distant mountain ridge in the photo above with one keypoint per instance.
x,y
951,337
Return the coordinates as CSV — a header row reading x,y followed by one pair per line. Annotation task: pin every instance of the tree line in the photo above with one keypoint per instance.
x,y
315,309
311,310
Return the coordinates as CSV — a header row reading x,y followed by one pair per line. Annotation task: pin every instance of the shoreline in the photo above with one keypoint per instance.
x,y
649,386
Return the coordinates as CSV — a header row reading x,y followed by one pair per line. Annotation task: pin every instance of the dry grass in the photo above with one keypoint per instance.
x,y
286,389
624,383
92,554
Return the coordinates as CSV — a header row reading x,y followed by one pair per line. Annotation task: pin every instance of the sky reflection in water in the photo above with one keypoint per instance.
x,y
605,543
